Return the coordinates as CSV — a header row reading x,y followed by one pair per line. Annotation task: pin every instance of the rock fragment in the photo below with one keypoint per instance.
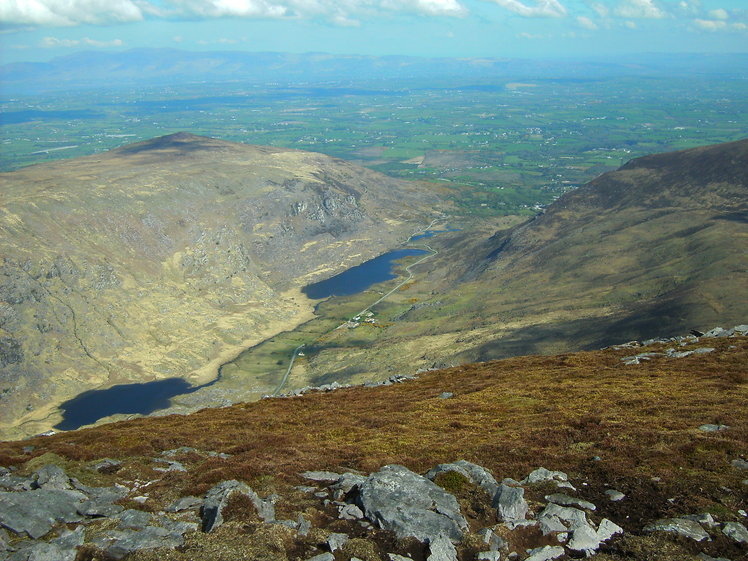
x,y
566,500
681,526
542,475
615,495
712,428
474,473
442,549
735,531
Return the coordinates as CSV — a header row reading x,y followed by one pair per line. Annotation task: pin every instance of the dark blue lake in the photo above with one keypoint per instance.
x,y
143,399
146,398
359,278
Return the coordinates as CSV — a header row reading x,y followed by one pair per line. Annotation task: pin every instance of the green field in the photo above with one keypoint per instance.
x,y
501,148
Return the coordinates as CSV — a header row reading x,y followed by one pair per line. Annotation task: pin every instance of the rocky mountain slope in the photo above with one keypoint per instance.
x,y
168,257
658,246
635,452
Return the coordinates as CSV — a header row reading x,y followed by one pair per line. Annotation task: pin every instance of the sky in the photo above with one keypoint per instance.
x,y
39,30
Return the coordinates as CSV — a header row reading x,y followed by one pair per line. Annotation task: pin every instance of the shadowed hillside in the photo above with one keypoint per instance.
x,y
658,246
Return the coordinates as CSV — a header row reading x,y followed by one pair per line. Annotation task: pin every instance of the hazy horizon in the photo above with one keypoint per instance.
x,y
46,29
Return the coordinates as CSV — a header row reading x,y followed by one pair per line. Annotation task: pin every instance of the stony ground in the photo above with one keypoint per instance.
x,y
644,450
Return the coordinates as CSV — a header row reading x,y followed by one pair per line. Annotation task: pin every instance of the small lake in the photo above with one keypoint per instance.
x,y
359,278
90,406
144,399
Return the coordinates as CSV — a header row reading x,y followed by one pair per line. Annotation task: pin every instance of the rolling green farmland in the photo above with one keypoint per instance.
x,y
501,148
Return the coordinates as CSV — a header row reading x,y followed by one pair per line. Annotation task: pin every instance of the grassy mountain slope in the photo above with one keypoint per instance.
x,y
658,246
165,258
511,416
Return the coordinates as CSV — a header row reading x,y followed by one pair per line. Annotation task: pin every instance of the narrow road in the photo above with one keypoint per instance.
x,y
288,372
370,306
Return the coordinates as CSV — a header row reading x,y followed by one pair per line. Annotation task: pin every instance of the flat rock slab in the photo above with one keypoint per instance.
x,y
118,544
565,500
615,495
410,505
681,526
36,512
546,553
712,428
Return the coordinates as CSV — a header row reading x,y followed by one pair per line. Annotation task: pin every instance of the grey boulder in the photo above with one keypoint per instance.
x,y
542,474
510,504
52,477
410,505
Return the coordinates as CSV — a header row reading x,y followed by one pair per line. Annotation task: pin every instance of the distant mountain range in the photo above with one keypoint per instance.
x,y
172,66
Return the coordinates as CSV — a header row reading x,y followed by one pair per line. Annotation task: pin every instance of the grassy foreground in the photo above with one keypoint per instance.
x,y
510,416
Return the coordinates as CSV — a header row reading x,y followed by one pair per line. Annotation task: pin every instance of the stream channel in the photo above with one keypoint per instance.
x,y
343,296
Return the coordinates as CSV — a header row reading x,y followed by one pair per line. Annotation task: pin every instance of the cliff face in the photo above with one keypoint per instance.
x,y
161,258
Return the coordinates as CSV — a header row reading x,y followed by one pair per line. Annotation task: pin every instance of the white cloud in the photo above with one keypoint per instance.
x,y
340,12
602,10
739,26
539,8
68,12
719,14
640,9
710,24
630,24
586,22
54,42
